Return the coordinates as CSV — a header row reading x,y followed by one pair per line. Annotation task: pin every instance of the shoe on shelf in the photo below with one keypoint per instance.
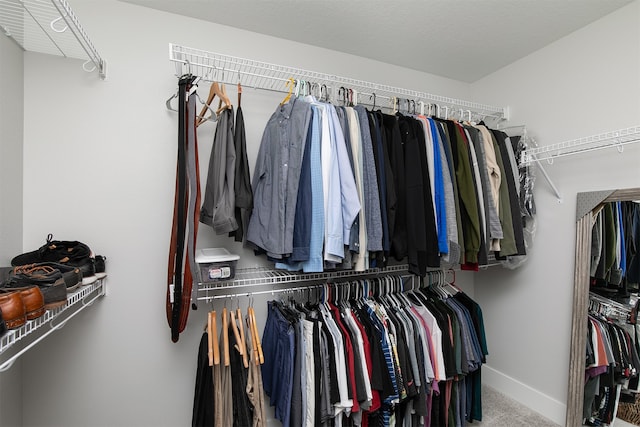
x,y
55,294
100,264
44,273
66,252
32,298
3,325
13,310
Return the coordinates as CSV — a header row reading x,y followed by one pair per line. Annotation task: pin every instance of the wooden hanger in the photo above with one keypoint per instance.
x,y
236,333
254,348
213,91
225,337
245,355
213,336
256,335
224,98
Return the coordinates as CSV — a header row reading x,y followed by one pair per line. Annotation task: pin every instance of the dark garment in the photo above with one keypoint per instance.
x,y
219,197
432,257
242,409
395,151
203,401
277,371
302,223
512,182
414,164
242,184
466,193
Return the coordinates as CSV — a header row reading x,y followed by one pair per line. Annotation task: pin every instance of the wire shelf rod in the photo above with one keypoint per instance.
x,y
225,69
612,139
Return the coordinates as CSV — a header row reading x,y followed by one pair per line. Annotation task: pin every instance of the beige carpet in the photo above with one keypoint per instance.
x,y
499,410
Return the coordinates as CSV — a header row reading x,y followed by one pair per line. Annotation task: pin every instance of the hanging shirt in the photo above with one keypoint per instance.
x,y
276,178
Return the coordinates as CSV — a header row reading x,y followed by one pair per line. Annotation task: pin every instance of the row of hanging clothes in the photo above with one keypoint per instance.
x,y
612,365
340,186
615,240
375,352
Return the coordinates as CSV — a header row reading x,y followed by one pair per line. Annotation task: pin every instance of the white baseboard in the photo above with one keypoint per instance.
x,y
535,400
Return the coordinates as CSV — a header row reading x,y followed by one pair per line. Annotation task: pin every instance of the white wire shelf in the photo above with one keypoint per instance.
x,y
613,139
34,331
247,280
227,69
49,26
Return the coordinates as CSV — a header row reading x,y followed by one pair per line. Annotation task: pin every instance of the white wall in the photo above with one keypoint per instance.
x,y
584,84
100,167
11,120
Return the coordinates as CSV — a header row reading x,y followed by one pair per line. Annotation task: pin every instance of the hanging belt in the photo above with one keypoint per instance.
x,y
185,209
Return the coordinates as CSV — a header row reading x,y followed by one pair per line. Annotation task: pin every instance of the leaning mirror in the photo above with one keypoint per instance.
x,y
589,208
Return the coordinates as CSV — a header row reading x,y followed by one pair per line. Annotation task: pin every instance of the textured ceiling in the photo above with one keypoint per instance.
x,y
464,39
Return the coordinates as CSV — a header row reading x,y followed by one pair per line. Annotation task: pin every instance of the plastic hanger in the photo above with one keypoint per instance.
x,y
291,84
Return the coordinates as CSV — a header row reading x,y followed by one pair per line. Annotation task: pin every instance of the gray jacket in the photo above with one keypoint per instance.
x,y
219,196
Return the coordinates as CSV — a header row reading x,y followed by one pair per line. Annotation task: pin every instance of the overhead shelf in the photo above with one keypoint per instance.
x,y
613,139
222,68
51,27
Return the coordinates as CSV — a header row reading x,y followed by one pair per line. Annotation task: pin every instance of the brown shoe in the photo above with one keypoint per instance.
x,y
33,300
13,310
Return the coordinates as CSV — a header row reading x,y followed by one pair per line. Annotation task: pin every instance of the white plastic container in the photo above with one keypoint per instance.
x,y
216,264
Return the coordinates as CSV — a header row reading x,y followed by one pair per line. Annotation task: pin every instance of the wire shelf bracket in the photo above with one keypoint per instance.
x,y
34,330
227,69
51,27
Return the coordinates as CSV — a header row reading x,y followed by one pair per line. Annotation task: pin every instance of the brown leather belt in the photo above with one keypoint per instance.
x,y
183,238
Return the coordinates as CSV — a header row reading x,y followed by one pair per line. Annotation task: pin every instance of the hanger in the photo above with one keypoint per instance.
x,y
373,95
213,91
213,336
239,90
245,355
224,98
324,95
256,335
342,92
291,84
240,346
252,338
225,337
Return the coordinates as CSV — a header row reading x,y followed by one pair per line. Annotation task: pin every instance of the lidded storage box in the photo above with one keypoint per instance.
x,y
216,264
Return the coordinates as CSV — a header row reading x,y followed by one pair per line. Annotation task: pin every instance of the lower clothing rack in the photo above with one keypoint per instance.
x,y
252,281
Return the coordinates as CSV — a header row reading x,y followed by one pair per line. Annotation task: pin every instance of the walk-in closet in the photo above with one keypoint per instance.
x,y
320,213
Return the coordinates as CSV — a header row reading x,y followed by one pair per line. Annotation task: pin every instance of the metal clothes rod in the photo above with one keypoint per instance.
x,y
227,69
49,26
613,139
259,277
613,305
262,276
